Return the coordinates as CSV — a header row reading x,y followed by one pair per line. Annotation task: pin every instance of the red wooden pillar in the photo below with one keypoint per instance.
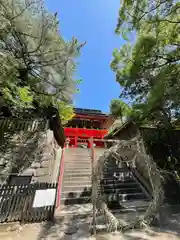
x,y
90,143
75,141
92,149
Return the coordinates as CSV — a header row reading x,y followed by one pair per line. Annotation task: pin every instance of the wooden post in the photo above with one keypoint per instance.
x,y
67,142
75,141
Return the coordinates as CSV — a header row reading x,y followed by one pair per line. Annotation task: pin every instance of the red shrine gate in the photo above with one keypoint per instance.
x,y
86,125
84,136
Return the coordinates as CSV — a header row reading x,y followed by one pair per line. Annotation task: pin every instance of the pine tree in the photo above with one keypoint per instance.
x,y
36,62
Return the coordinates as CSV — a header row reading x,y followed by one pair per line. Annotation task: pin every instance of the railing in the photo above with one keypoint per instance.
x,y
60,179
93,193
144,185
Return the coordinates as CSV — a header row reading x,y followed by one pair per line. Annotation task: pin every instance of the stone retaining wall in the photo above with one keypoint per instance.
x,y
28,153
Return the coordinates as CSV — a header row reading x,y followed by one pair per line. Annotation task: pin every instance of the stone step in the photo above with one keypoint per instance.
x,y
114,180
72,201
78,170
74,175
110,174
85,197
120,185
119,175
122,190
77,157
75,209
76,194
87,209
125,197
82,151
68,171
138,204
77,178
79,164
115,169
70,188
70,174
130,205
80,161
75,182
75,167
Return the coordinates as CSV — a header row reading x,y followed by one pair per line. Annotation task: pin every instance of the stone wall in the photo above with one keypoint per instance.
x,y
29,153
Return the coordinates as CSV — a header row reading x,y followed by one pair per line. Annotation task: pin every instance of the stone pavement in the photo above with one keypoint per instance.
x,y
53,232
76,227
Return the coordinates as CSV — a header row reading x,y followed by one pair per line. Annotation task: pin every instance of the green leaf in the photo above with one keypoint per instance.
x,y
24,95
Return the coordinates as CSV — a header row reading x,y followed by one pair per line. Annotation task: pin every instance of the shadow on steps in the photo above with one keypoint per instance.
x,y
84,197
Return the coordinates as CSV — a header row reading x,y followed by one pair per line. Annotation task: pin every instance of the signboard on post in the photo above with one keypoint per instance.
x,y
44,198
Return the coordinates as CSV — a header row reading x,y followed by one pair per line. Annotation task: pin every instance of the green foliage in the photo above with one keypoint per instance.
x,y
119,109
19,97
78,82
36,62
149,70
66,112
24,95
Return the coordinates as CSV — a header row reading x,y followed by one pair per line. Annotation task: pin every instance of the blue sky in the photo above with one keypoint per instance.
x,y
93,21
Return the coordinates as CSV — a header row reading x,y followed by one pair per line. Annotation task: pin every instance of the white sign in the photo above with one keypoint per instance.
x,y
44,198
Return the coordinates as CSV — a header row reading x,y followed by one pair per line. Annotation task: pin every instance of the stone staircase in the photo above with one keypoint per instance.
x,y
124,194
76,187
122,188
